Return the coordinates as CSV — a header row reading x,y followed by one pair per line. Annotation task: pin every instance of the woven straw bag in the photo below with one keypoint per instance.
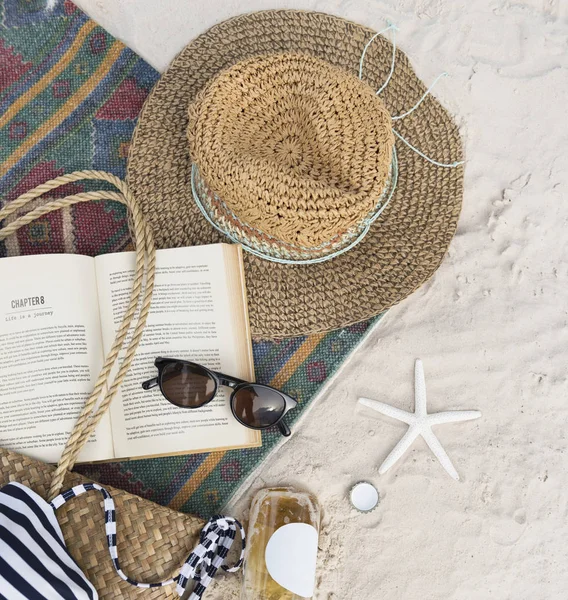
x,y
153,541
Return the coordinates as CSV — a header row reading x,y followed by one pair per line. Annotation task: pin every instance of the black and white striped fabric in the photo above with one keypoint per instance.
x,y
34,562
36,565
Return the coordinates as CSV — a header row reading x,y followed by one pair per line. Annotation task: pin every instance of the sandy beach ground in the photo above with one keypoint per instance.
x,y
490,327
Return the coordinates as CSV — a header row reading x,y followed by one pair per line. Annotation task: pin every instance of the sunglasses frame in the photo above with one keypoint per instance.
x,y
220,379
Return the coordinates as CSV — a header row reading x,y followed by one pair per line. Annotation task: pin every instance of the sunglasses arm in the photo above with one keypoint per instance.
x,y
151,383
231,382
284,429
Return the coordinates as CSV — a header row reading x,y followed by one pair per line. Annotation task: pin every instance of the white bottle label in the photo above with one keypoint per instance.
x,y
291,556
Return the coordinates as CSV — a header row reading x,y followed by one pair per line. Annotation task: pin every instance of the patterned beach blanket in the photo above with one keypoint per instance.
x,y
70,94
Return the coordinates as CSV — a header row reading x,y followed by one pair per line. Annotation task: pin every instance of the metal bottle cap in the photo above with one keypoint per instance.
x,y
364,496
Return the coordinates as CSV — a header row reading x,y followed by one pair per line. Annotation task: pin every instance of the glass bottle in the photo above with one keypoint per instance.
x,y
282,545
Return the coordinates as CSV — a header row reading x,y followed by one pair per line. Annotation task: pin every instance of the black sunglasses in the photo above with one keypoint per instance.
x,y
189,385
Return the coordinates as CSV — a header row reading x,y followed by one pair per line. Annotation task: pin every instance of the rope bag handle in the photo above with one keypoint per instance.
x,y
105,390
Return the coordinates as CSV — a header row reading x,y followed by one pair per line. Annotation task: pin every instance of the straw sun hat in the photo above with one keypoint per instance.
x,y
267,130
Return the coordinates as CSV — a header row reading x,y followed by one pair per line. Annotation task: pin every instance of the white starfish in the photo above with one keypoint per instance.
x,y
420,423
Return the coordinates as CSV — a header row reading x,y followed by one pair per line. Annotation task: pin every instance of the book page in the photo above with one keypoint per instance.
x,y
197,314
50,354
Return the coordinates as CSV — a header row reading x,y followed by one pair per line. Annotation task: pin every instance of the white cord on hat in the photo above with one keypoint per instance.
x,y
457,163
408,112
394,30
391,26
397,117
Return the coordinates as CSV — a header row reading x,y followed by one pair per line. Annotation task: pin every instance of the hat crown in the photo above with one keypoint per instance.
x,y
293,148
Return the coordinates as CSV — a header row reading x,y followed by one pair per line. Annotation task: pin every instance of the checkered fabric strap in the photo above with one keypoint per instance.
x,y
202,564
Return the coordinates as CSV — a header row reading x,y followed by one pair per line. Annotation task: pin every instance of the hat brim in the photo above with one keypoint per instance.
x,y
402,249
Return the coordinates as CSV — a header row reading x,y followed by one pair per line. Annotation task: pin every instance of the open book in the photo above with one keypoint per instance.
x,y
58,318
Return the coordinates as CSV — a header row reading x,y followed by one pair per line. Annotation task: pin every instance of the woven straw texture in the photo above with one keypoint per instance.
x,y
295,147
405,245
153,541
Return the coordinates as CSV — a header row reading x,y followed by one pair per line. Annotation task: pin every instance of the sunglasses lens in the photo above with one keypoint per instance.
x,y
258,406
188,386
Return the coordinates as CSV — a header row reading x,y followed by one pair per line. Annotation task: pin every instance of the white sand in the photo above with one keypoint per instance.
x,y
491,326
